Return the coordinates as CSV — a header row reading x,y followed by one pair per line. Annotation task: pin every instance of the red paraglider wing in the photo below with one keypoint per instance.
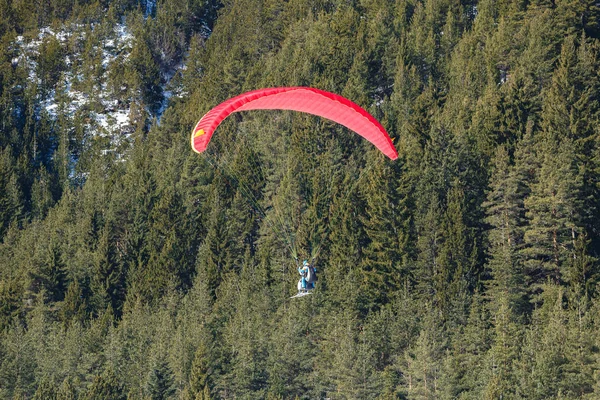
x,y
302,99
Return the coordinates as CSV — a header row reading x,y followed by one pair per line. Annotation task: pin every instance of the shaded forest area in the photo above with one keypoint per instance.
x,y
133,268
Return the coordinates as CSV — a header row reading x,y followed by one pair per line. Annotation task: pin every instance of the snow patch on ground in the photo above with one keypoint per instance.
x,y
85,93
111,121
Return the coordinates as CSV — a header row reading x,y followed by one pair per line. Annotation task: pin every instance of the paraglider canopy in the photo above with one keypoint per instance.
x,y
303,99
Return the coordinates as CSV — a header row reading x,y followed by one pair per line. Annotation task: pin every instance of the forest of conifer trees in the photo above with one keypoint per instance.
x,y
133,268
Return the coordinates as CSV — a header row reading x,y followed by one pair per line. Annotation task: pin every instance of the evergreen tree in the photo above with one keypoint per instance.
x,y
354,358
48,276
506,217
108,279
290,352
579,367
541,366
160,381
46,390
466,269
582,273
147,84
457,260
504,353
50,63
42,197
428,246
423,360
11,197
462,369
210,254
245,336
199,375
387,229
552,210
105,387
66,391
74,305
10,301
345,237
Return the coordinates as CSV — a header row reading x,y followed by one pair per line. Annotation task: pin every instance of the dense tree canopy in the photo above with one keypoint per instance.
x,y
132,267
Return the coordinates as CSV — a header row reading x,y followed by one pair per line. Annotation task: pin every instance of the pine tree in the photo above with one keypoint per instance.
x,y
346,235
42,197
17,372
74,305
108,279
49,276
428,247
63,155
486,125
456,259
579,368
46,390
503,355
205,394
199,375
11,197
463,374
105,387
506,216
386,227
290,352
165,264
354,359
10,301
50,63
138,198
160,381
245,335
210,255
423,360
582,273
553,212
66,391
147,74
541,366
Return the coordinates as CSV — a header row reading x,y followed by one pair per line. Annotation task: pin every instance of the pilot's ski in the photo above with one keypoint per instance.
x,y
300,294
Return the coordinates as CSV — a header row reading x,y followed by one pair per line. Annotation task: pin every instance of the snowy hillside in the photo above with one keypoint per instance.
x,y
96,92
